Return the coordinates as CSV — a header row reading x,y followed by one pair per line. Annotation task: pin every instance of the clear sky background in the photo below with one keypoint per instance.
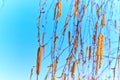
x,y
18,37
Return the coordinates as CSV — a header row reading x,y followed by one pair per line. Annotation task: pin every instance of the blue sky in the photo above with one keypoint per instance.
x,y
18,36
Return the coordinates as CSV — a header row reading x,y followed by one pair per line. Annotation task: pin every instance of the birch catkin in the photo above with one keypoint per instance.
x,y
55,65
96,24
39,59
87,51
84,9
98,46
74,67
53,78
75,43
94,79
119,61
101,51
76,7
103,20
90,52
59,5
55,39
69,37
97,65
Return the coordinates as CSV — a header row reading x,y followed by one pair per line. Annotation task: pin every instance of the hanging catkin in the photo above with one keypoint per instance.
x,y
76,7
74,67
53,78
97,58
87,52
84,9
75,43
119,61
103,22
101,49
99,52
69,38
90,52
96,24
39,59
98,46
59,11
